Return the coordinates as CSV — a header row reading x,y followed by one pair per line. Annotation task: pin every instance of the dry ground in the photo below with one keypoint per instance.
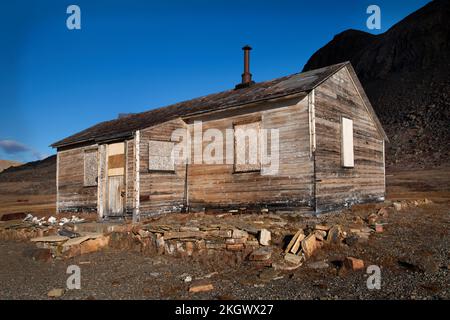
x,y
413,253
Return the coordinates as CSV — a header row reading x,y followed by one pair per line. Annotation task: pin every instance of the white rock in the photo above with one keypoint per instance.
x,y
52,220
264,237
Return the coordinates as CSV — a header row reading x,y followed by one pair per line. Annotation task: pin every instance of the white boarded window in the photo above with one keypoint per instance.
x,y
347,143
247,147
161,156
90,168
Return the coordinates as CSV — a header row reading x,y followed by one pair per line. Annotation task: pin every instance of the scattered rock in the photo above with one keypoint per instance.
x,y
397,206
235,247
378,228
351,240
188,228
321,227
383,213
372,219
293,258
320,234
309,245
318,265
39,254
55,293
188,279
264,237
268,274
334,235
236,241
237,233
353,263
201,288
55,238
285,266
189,248
93,245
261,254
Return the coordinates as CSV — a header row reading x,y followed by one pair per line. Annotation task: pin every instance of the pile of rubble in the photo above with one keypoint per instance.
x,y
265,240
186,240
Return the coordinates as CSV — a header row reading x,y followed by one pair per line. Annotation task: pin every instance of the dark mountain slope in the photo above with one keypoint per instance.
x,y
406,74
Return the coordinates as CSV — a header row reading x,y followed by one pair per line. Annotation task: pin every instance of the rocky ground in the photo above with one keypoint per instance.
x,y
412,252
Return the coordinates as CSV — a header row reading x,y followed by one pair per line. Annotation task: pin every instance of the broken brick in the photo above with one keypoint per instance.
x,y
353,263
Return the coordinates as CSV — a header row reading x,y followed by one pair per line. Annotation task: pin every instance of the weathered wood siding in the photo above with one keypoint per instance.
x,y
220,186
335,185
160,191
129,176
72,194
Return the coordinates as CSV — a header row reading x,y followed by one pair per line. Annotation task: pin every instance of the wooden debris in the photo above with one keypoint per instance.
x,y
294,240
264,237
54,238
201,288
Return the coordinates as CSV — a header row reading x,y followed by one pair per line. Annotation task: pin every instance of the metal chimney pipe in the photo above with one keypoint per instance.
x,y
246,76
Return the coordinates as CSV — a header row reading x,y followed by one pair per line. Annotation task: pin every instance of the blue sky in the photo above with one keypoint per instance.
x,y
132,56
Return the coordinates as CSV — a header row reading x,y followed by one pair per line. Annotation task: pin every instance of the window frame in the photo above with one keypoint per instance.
x,y
343,147
243,123
86,184
173,169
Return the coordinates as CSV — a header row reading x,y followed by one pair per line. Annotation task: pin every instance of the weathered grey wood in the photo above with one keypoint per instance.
x,y
115,198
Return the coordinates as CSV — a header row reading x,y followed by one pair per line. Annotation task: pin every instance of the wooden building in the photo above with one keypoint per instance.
x,y
330,151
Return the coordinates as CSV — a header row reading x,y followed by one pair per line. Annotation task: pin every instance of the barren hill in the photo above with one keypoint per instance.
x,y
5,164
38,177
406,74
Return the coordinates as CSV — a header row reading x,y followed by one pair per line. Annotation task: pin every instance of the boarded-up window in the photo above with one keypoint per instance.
x,y
161,156
116,159
90,168
247,147
347,143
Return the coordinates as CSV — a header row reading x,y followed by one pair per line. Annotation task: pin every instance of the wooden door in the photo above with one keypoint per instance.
x,y
115,196
116,179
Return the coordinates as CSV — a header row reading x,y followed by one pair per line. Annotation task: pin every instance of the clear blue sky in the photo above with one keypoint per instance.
x,y
131,56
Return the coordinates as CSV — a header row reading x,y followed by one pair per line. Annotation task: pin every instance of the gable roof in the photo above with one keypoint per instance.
x,y
277,88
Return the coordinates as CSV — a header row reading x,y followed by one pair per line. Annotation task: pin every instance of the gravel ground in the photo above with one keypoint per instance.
x,y
412,252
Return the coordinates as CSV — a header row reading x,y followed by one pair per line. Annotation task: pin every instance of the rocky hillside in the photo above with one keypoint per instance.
x,y
406,74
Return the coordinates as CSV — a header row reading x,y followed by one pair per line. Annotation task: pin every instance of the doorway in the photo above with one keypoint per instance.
x,y
116,180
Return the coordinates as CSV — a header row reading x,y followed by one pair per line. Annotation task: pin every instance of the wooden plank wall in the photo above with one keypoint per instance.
x,y
73,196
219,186
160,191
337,186
129,176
